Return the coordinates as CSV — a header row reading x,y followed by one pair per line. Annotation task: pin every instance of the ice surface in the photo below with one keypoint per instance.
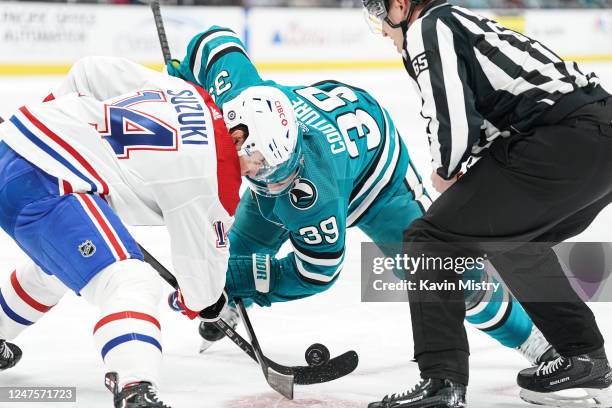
x,y
59,350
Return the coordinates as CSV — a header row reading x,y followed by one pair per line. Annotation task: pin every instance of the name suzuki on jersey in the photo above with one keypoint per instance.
x,y
191,117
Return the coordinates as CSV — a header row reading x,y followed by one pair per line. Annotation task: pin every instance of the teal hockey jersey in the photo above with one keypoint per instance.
x,y
354,163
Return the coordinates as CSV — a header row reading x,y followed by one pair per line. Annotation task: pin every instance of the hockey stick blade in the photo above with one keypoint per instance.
x,y
337,367
281,383
334,369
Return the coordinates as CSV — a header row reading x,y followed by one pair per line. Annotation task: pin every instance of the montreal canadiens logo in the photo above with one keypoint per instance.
x,y
303,194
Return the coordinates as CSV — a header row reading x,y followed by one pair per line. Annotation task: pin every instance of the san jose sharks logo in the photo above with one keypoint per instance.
x,y
303,194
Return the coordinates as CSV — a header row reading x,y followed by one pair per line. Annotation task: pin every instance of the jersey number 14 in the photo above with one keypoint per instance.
x,y
128,129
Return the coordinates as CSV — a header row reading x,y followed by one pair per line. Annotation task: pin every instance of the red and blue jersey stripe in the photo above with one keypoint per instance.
x,y
59,150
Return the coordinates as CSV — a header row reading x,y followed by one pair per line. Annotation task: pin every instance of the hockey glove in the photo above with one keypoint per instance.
x,y
210,314
252,277
172,67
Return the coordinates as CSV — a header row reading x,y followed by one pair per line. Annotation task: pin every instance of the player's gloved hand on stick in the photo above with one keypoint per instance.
x,y
172,67
210,314
251,277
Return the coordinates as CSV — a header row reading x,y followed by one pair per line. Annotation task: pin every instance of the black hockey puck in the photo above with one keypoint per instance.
x,y
317,355
210,332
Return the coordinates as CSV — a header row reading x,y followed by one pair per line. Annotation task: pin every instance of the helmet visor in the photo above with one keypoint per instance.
x,y
375,13
280,182
273,189
256,159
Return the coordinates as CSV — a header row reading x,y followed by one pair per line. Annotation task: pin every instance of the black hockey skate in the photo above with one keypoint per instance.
x,y
211,334
581,381
135,395
10,355
428,393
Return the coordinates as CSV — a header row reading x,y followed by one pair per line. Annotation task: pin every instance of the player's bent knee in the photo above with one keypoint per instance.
x,y
124,283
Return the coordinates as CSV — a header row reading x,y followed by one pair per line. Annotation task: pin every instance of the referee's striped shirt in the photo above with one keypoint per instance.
x,y
479,80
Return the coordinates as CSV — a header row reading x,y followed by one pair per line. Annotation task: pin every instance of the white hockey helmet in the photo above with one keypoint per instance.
x,y
273,133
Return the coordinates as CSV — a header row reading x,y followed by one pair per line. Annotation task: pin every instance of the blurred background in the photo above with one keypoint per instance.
x,y
46,37
291,41
357,3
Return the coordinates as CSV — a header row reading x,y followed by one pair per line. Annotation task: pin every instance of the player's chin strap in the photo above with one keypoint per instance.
x,y
404,24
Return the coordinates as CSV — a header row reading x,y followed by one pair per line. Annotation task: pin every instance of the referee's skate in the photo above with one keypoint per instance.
x,y
580,381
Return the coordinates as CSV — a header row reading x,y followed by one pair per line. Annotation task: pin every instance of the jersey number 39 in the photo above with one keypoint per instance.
x,y
353,125
326,231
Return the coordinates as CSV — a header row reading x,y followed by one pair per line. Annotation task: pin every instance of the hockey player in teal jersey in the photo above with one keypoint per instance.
x,y
351,168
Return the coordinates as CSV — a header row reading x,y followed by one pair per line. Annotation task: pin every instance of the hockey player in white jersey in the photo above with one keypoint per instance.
x,y
117,144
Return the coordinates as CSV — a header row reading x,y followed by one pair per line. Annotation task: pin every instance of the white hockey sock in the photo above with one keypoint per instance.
x,y
26,297
128,332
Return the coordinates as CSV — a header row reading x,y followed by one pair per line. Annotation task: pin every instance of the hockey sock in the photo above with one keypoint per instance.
x,y
128,332
26,297
499,315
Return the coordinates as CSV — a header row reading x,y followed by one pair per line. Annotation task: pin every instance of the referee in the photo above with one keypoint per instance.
x,y
537,134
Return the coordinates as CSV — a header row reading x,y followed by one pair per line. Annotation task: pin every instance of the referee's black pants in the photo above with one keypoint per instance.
x,y
545,185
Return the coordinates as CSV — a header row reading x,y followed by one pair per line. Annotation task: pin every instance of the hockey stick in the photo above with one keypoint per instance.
x,y
161,31
320,369
282,383
330,370
279,382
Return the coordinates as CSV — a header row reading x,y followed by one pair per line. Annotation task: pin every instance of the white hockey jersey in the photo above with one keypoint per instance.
x,y
154,146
